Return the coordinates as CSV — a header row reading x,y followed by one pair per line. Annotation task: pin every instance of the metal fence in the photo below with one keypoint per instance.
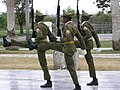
x,y
103,28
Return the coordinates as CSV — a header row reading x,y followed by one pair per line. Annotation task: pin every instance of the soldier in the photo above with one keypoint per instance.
x,y
69,32
42,31
66,45
88,33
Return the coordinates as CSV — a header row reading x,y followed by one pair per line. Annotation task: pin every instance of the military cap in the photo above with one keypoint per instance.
x,y
84,14
67,14
38,13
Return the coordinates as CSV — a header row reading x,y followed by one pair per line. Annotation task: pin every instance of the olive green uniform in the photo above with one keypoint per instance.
x,y
19,43
42,44
42,31
66,46
88,32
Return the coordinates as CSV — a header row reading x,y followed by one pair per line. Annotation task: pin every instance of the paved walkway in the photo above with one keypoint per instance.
x,y
32,79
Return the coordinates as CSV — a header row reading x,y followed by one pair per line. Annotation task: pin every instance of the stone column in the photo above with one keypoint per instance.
x,y
59,61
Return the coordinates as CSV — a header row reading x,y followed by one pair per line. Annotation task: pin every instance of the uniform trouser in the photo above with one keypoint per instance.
x,y
43,63
42,59
89,60
19,43
68,59
42,48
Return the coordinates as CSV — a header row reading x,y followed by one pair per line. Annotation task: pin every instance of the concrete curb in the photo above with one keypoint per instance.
x,y
51,55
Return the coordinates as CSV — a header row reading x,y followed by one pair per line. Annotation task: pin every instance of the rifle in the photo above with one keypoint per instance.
x,y
58,19
78,18
32,22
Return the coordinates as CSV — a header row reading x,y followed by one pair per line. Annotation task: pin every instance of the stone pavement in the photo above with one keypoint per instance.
x,y
32,79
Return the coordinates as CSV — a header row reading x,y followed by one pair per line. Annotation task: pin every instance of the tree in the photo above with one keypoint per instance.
x,y
20,13
19,7
101,18
3,21
104,4
115,19
51,18
116,24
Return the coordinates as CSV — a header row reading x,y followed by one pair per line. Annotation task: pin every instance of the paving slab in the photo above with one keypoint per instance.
x,y
32,79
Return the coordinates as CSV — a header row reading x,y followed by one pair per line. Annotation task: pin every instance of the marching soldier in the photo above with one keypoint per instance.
x,y
88,33
42,31
69,47
66,45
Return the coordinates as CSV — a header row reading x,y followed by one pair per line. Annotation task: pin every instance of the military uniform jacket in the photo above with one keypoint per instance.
x,y
88,33
42,31
69,31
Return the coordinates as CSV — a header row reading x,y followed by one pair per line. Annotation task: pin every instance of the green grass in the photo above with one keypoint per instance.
x,y
17,32
105,44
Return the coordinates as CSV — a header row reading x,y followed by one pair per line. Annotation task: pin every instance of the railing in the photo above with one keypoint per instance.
x,y
103,28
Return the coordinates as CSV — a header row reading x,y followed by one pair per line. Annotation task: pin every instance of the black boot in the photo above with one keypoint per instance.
x,y
93,82
47,85
32,46
5,42
77,87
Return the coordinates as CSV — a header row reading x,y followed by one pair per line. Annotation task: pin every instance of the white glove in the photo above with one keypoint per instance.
x,y
33,39
58,39
98,50
83,52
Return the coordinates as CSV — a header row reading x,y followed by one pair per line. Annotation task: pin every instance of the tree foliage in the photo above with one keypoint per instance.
x,y
101,18
3,21
19,8
51,18
20,13
103,4
71,10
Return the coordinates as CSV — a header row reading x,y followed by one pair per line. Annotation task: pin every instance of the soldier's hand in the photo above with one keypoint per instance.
x,y
83,52
33,39
58,39
98,50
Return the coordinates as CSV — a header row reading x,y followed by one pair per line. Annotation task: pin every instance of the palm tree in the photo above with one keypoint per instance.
x,y
116,24
10,18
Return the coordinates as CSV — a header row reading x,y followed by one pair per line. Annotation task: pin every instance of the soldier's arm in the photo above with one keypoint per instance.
x,y
88,33
39,33
81,42
52,38
97,41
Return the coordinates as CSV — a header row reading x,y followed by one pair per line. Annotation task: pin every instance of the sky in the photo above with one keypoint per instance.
x,y
50,6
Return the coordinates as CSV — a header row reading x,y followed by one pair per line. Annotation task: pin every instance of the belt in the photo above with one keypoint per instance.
x,y
43,40
90,38
71,42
